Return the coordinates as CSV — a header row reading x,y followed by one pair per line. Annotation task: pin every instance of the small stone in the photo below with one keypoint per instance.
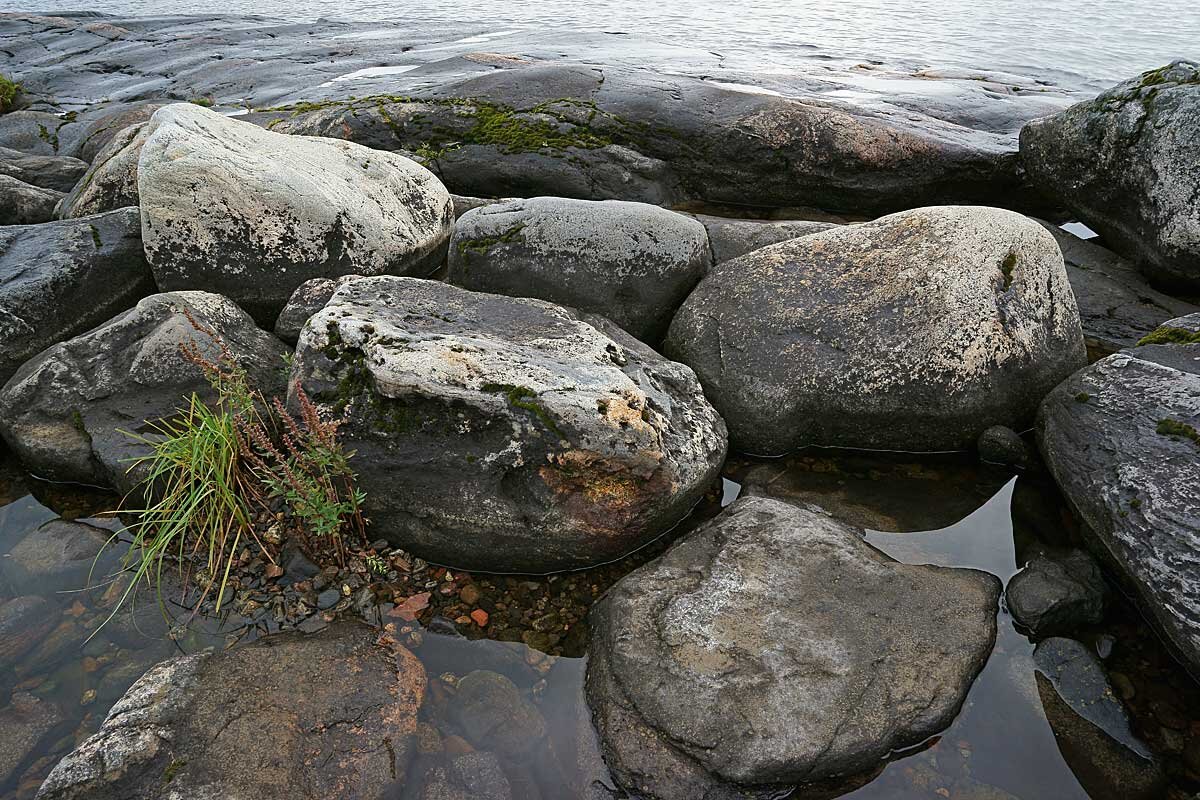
x,y
1004,446
470,594
328,599
480,617
1123,685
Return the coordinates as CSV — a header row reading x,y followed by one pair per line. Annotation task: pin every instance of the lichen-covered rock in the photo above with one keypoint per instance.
x,y
59,173
774,647
289,716
60,279
506,434
914,332
111,180
731,238
1057,592
630,262
1120,438
231,208
24,204
309,298
1125,162
62,414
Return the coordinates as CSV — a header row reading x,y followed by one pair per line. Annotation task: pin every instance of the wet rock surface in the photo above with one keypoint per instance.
x,y
1057,592
232,208
629,262
506,434
1125,163
62,278
24,621
188,726
804,342
59,552
111,180
774,647
64,411
27,721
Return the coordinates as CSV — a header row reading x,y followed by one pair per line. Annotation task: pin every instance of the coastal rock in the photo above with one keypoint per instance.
x,y
309,298
26,721
731,238
24,204
630,262
1001,445
62,414
1057,592
506,434
58,173
23,622
58,554
914,332
1116,305
1120,439
111,180
232,208
31,132
92,130
774,647
463,204
1125,162
188,727
1091,725
63,278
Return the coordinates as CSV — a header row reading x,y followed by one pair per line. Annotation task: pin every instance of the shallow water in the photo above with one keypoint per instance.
x,y
943,511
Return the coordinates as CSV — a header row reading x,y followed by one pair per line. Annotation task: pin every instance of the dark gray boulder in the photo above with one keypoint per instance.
x,y
232,208
774,647
111,180
62,414
1125,163
61,278
24,621
31,132
463,204
59,554
24,204
59,173
1001,445
309,298
914,332
1120,438
27,722
506,434
630,262
1091,726
189,727
731,238
495,715
1057,592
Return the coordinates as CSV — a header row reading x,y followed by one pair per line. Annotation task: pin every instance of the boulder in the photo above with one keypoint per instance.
x,y
1004,446
1120,438
58,173
232,208
24,621
111,180
64,412
914,332
731,238
31,132
463,204
309,298
774,647
1125,163
1091,726
60,279
506,434
1117,307
494,715
189,727
1057,592
59,554
630,262
24,204
27,722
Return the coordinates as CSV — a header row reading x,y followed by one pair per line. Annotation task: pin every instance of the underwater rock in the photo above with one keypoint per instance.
x,y
24,622
1057,592
494,715
1001,445
59,553
27,721
470,776
111,180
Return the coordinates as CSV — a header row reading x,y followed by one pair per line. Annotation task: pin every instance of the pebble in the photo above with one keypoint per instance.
x,y
470,594
480,617
328,599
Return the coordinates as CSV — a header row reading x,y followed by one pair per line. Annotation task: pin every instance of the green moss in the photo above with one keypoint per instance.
x,y
9,89
1082,397
1135,502
96,236
205,102
1173,427
173,768
1006,268
1170,335
523,397
483,244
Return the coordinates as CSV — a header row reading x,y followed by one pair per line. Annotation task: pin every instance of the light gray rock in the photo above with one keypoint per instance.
x,y
630,262
24,204
1120,439
1091,726
189,729
774,647
914,332
60,279
111,180
62,414
1125,163
1057,592
59,173
232,208
731,238
506,434
309,298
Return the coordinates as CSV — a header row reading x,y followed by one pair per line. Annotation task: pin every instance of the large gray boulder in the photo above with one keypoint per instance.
x,y
1120,438
1125,162
730,238
231,208
914,332
59,279
111,180
630,262
774,647
268,721
25,204
62,414
506,434
59,173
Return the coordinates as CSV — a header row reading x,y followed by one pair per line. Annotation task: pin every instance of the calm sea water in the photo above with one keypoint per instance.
x,y
1084,44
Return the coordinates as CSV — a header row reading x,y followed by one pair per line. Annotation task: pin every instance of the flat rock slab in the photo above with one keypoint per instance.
x,y
630,262
506,434
60,279
774,647
231,208
914,332
327,715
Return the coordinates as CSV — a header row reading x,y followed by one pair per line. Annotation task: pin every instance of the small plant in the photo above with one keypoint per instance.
x,y
203,102
9,89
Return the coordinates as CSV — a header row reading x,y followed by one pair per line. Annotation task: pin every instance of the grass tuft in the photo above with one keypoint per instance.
x,y
9,89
